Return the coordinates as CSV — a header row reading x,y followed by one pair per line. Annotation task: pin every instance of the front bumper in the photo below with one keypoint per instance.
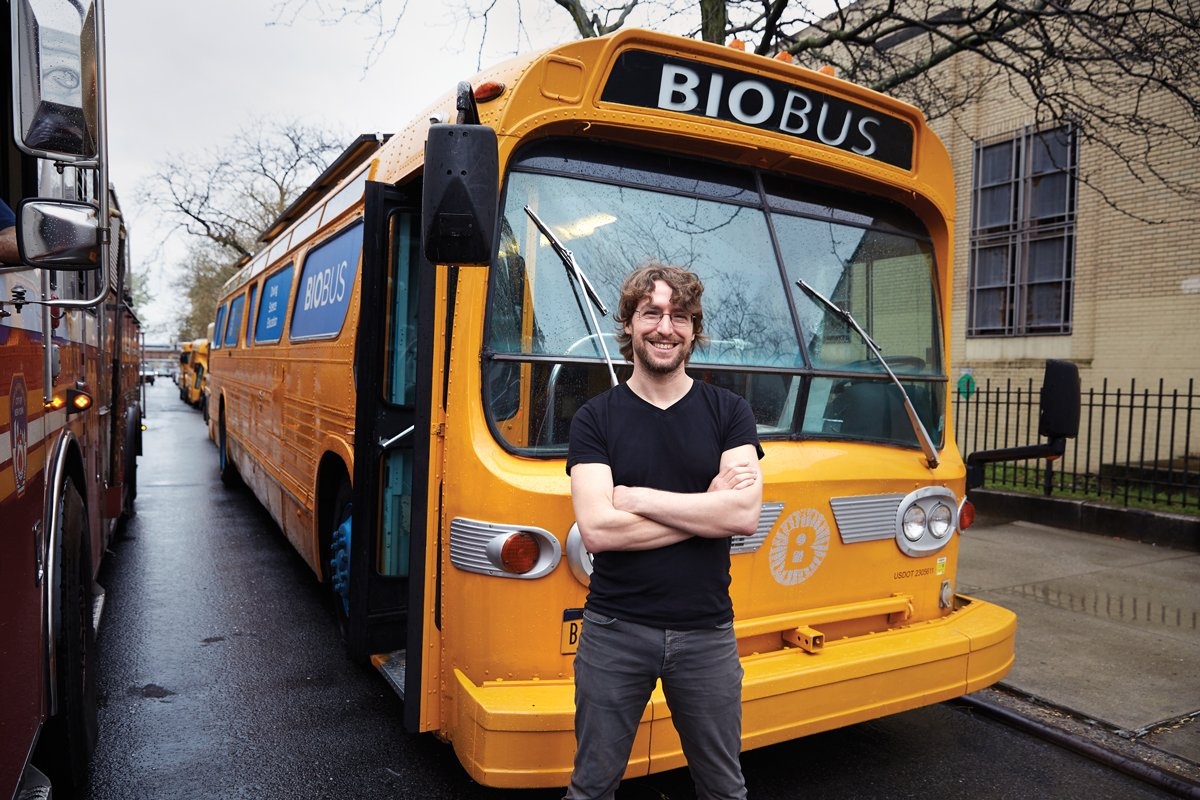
x,y
520,734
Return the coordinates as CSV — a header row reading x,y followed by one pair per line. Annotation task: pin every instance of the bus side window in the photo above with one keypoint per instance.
x,y
234,325
219,327
326,285
250,314
268,324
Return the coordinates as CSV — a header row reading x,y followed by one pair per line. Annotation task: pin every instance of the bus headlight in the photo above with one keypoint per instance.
x,y
941,521
925,521
913,525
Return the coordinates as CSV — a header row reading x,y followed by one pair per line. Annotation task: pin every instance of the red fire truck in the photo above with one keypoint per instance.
x,y
70,417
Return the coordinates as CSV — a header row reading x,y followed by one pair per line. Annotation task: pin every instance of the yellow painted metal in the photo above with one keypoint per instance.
x,y
519,733
884,606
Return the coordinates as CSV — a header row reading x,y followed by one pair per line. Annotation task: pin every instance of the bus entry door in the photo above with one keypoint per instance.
x,y
394,375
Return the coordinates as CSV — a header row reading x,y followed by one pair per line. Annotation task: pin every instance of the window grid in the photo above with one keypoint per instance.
x,y
1022,251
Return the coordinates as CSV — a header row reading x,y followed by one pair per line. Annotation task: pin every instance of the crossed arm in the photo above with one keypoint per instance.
x,y
637,518
8,247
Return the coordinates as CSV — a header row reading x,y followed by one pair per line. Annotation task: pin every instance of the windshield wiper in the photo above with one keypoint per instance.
x,y
918,427
573,271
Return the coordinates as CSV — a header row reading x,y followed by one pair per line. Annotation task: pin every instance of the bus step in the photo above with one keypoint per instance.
x,y
98,596
392,667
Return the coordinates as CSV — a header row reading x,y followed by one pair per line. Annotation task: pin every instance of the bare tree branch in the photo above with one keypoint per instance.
x,y
224,198
1126,73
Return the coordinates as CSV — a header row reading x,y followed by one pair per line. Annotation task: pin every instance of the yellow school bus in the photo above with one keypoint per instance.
x,y
193,372
398,367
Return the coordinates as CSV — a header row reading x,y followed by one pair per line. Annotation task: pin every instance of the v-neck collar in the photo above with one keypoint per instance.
x,y
691,388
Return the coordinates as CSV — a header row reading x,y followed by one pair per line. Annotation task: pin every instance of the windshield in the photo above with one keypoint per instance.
x,y
749,236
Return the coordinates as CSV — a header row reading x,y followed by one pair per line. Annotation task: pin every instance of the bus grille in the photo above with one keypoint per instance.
x,y
866,518
766,520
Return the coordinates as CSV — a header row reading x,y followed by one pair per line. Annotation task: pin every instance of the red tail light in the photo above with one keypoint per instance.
x,y
966,515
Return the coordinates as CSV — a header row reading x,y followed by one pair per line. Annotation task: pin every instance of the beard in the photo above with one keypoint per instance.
x,y
655,361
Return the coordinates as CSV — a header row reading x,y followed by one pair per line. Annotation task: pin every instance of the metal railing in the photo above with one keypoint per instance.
x,y
1136,446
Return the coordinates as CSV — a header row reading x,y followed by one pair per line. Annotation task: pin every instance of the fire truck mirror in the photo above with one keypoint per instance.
x,y
58,234
56,103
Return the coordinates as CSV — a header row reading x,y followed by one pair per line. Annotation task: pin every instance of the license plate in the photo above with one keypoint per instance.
x,y
572,624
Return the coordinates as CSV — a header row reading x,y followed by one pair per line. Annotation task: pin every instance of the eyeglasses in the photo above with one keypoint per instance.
x,y
653,316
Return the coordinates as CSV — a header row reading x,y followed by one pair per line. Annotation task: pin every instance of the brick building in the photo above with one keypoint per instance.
x,y
1076,238
1062,251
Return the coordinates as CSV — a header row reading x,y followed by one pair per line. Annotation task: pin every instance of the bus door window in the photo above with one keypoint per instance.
x,y
400,393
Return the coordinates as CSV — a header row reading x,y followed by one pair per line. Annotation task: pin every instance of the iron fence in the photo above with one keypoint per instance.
x,y
1136,446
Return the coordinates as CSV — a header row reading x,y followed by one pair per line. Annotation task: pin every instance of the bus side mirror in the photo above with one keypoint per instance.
x,y
55,92
58,234
1058,415
460,194
1058,420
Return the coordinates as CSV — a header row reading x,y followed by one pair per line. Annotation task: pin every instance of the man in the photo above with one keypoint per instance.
x,y
664,470
8,236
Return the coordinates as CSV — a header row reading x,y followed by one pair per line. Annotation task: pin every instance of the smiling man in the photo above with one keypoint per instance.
x,y
664,470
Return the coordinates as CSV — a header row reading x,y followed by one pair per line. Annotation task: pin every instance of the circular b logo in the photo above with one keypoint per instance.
x,y
19,433
799,546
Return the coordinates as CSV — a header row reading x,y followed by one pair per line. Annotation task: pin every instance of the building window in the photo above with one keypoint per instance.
x,y
1023,234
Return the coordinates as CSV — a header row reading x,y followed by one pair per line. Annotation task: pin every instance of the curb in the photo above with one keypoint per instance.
x,y
1176,531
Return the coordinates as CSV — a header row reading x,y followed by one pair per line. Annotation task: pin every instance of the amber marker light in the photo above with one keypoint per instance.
x,y
520,553
488,90
78,400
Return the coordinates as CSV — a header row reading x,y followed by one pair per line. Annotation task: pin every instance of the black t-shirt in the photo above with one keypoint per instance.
x,y
684,586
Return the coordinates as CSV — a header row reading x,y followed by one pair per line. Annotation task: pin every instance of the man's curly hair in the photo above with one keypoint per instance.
x,y
686,291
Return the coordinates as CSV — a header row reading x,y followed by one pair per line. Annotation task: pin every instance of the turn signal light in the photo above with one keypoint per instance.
x,y
78,401
520,553
488,90
73,400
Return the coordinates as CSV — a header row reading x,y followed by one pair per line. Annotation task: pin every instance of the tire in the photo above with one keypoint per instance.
x,y
338,555
70,735
229,472
133,447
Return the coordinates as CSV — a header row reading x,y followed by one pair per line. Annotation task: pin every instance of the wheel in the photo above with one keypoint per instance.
x,y
338,563
229,472
133,447
70,735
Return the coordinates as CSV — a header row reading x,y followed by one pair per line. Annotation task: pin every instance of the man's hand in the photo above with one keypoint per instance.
x,y
735,476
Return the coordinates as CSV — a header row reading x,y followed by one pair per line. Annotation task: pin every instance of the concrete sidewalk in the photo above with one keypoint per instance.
x,y
1107,628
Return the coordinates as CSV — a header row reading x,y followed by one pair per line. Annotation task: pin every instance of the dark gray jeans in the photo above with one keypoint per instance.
x,y
616,667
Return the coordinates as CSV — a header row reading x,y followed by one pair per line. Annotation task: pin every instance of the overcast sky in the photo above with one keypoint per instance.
x,y
185,77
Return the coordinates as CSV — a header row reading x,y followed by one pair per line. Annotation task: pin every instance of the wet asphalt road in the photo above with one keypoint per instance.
x,y
221,676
